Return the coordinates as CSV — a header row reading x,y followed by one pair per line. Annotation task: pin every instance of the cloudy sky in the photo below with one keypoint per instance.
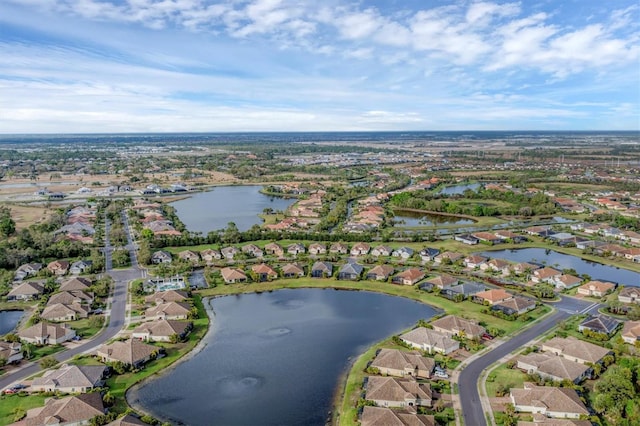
x,y
293,65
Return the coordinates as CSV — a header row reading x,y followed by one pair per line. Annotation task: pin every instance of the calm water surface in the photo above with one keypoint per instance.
x,y
459,189
276,358
213,210
413,219
563,261
9,320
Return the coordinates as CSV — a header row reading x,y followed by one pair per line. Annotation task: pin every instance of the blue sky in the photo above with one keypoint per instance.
x,y
296,65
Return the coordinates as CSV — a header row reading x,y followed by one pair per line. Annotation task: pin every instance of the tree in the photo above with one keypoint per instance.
x,y
48,362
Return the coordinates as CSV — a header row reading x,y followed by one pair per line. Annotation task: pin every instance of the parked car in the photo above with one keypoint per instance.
x,y
441,374
10,391
487,336
19,386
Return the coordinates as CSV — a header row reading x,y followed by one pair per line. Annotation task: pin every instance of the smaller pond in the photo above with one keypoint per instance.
x,y
557,260
9,320
459,189
411,219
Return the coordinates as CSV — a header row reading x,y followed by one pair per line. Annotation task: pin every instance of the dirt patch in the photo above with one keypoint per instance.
x,y
24,216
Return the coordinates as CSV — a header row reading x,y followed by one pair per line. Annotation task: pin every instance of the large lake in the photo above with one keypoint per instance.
x,y
9,320
213,210
276,358
407,218
552,258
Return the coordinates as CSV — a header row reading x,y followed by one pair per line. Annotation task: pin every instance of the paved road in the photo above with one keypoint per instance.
x,y
116,317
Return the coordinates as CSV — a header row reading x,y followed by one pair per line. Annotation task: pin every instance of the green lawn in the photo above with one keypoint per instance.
x,y
512,378
42,351
84,327
10,403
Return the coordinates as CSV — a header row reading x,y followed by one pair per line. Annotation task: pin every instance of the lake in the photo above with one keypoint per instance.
x,y
276,358
9,320
213,210
459,189
413,219
557,260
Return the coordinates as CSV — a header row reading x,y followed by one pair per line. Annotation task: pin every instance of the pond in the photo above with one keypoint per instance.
x,y
9,320
412,219
459,189
557,260
276,358
213,210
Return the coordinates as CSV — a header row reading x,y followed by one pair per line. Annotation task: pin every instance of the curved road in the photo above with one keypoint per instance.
x,y
122,277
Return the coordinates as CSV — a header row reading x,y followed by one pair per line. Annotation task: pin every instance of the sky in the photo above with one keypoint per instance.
x,y
101,66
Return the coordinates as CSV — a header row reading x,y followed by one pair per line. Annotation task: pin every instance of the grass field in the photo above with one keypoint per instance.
x,y
10,403
503,376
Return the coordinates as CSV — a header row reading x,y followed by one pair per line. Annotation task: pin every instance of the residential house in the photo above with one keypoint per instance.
x,y
452,325
492,296
497,265
166,297
360,249
160,256
380,272
556,368
462,291
321,270
507,235
274,249
62,312
76,284
523,268
548,400
631,332
130,352
408,277
161,330
233,275
596,288
317,248
264,272
45,333
566,281
599,324
80,267
487,237
58,267
296,249
542,420
537,230
428,253
381,251
382,416
70,297
442,281
466,239
575,350
474,261
189,256
27,270
629,295
447,256
403,252
515,306
338,248
168,311
393,362
71,411
10,352
430,341
26,291
252,250
229,252
632,254
127,420
393,392
545,275
70,379
292,270
210,255
350,271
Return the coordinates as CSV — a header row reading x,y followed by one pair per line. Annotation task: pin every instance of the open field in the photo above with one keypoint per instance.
x,y
503,376
26,215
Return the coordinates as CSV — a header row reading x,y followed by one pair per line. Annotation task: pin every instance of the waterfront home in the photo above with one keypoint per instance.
x,y
70,297
632,254
428,253
381,251
189,256
27,270
75,284
452,325
62,312
463,290
160,256
166,296
596,288
10,352
599,324
70,379
537,230
493,296
127,420
129,352
545,275
550,401
508,235
360,249
549,366
430,341
442,281
296,249
474,261
292,270
58,267
380,272
45,333
339,248
631,332
575,350
210,255
515,306
382,416
393,362
26,291
629,295
317,248
497,265
274,249
264,272
524,268
350,271
321,270
408,277
80,267
168,311
487,237
402,252
566,281
72,410
447,256
161,330
229,252
393,392
233,275
467,239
